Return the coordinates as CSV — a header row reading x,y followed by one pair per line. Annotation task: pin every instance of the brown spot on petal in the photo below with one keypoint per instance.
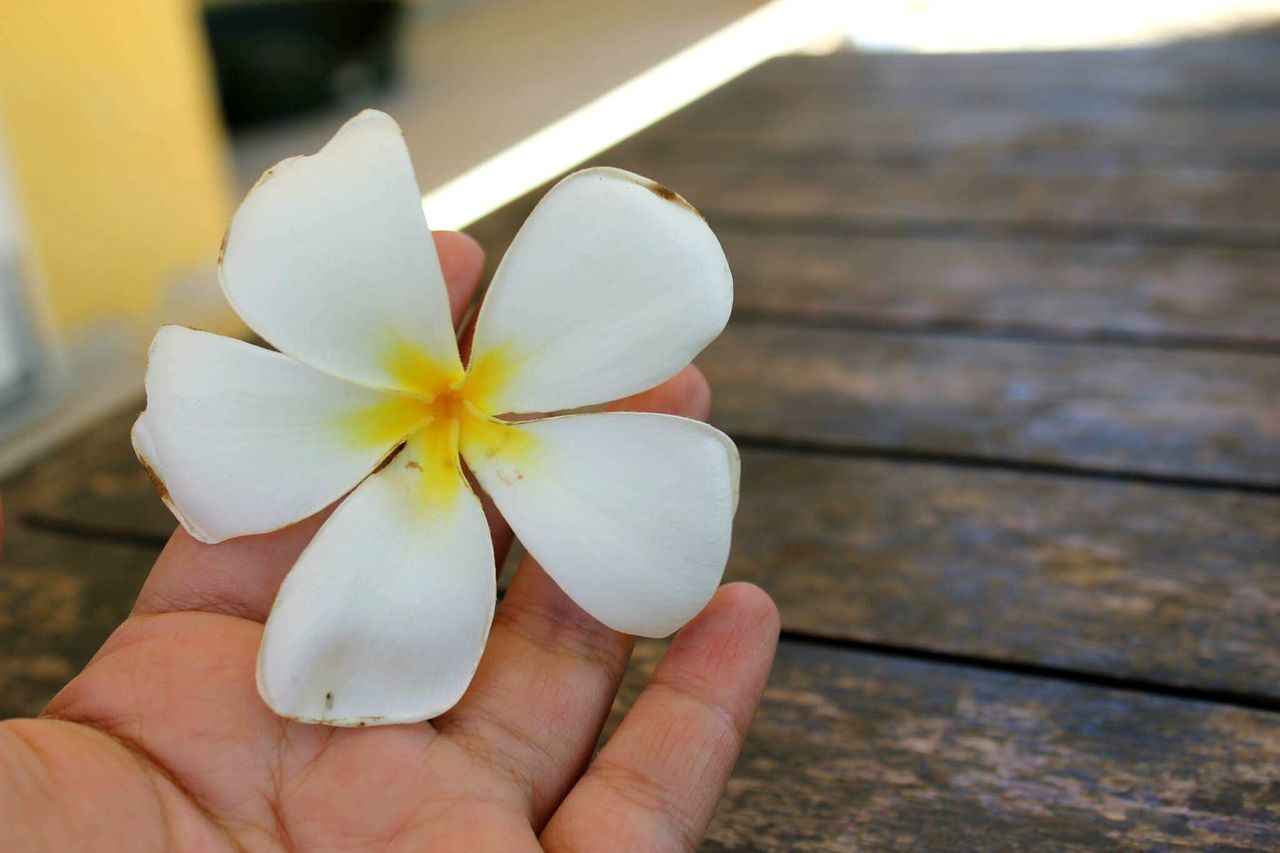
x,y
271,173
345,722
222,250
509,479
161,489
663,192
668,194
413,465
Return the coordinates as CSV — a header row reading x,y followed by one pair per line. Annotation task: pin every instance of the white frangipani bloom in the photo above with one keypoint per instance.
x,y
611,287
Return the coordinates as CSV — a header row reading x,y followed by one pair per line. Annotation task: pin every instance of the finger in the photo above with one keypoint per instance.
x,y
656,783
550,671
241,576
462,262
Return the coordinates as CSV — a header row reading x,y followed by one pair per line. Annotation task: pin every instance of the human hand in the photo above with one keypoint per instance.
x,y
162,741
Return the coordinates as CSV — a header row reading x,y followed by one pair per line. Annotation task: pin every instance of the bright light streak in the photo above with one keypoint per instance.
x,y
989,25
778,27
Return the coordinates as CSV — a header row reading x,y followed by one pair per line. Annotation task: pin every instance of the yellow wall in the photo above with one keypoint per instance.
x,y
120,163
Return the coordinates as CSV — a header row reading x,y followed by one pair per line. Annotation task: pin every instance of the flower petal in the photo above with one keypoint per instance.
x,y
329,258
242,440
384,616
612,285
630,513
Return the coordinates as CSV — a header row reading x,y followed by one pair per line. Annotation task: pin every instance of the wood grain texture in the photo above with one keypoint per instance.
x,y
984,139
60,597
988,138
860,751
1197,414
1192,207
1211,76
1062,572
1188,205
1028,287
1036,288
94,484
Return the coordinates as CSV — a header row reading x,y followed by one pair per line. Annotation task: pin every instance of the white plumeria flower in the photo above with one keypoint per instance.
x,y
611,287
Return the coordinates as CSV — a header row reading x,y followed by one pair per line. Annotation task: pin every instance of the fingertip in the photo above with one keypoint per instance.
x,y
750,605
738,630
695,391
732,642
459,253
686,394
462,262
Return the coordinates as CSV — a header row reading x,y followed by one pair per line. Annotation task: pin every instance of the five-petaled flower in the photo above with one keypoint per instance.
x,y
612,285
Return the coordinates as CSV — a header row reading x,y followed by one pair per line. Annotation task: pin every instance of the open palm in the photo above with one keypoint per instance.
x,y
163,740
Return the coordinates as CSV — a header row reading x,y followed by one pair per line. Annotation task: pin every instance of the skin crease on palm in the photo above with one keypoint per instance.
x,y
163,742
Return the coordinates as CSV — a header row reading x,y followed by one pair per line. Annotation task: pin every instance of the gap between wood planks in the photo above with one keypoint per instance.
x,y
827,225
90,532
1055,158
1130,684
1031,333
962,460
1236,698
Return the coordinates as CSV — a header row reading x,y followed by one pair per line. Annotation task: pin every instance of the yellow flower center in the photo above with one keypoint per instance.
x,y
442,415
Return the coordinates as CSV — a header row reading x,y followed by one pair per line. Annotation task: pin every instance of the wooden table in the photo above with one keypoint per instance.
x,y
1005,372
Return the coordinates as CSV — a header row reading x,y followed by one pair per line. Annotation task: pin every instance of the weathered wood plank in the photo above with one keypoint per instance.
x,y
968,139
853,750
1190,414
1207,296
1195,207
1206,205
1208,104
1214,77
1070,573
807,124
59,599
93,483
1023,286
816,121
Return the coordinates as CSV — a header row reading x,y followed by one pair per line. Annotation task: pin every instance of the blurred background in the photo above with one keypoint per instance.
x,y
129,130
